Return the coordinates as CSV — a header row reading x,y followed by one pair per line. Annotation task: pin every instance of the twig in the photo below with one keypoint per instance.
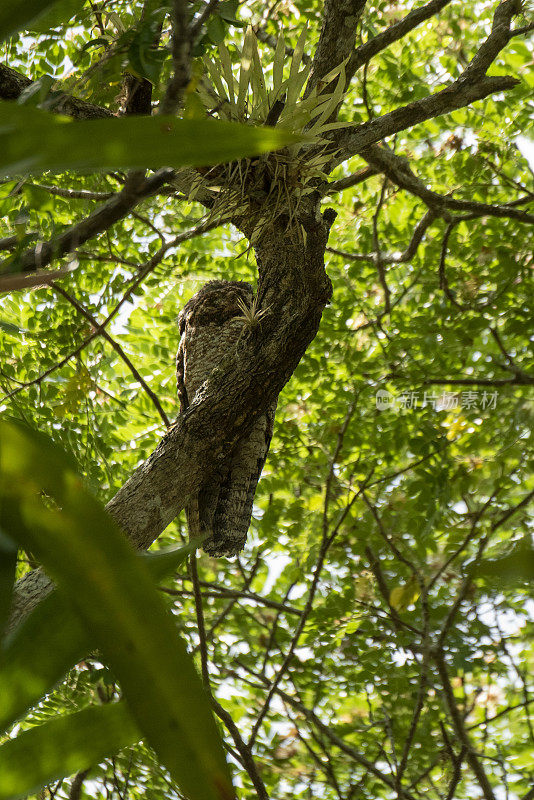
x,y
243,749
143,272
118,349
181,50
200,623
458,723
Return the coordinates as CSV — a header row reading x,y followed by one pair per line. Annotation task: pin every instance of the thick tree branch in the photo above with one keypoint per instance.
x,y
471,86
350,141
399,30
294,289
12,84
338,35
398,170
100,220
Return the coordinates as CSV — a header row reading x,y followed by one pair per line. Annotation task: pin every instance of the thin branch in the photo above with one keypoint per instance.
x,y
243,749
518,380
118,349
75,791
393,258
443,280
181,51
376,569
74,194
206,12
511,511
351,180
200,623
373,46
459,727
398,170
98,221
379,263
520,32
214,590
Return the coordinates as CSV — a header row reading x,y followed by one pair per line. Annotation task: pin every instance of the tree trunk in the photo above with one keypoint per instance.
x,y
293,290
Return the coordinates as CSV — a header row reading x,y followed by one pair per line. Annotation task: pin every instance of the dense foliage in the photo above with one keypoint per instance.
x,y
375,637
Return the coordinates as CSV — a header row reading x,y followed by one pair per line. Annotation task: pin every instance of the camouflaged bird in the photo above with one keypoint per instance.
x,y
210,325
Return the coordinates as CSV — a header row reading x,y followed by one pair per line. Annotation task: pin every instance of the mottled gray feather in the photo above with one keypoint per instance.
x,y
210,328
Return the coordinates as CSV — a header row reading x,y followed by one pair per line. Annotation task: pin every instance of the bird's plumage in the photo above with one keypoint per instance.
x,y
210,325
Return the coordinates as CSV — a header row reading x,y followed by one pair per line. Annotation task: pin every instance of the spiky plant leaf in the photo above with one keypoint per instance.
x,y
216,76
331,104
226,62
261,99
330,76
301,79
299,115
292,89
245,72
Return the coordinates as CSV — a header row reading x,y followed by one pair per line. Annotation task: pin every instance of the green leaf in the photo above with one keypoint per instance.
x,y
401,597
293,82
63,746
278,66
32,141
164,562
60,13
228,11
11,329
38,653
113,593
226,63
513,569
216,29
16,15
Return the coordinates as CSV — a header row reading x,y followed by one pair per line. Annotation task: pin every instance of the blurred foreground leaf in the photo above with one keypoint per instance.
x,y
32,141
112,591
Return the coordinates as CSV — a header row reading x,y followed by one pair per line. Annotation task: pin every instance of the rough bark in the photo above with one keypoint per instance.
x,y
294,289
338,35
12,84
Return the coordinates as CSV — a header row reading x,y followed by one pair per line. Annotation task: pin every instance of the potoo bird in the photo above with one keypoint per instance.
x,y
210,325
